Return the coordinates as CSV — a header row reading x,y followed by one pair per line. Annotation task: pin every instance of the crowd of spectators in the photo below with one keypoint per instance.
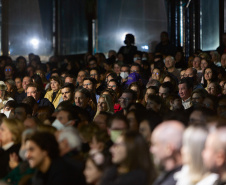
x,y
129,118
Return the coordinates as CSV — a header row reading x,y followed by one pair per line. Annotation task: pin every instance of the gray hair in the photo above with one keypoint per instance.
x,y
72,137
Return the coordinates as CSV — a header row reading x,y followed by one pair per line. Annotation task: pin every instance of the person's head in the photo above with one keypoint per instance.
x,y
22,111
82,97
210,102
204,64
11,86
154,103
166,142
101,120
193,145
170,62
214,88
223,60
90,84
190,72
135,68
94,73
67,91
55,83
33,90
10,131
81,75
198,97
129,39
128,97
68,140
210,74
117,124
156,74
9,71
111,76
94,168
153,90
196,63
185,88
41,148
70,79
105,103
30,70
215,151
125,68
21,63
92,62
113,84
9,106
165,90
108,63
18,82
215,56
124,152
135,86
32,103
134,117
26,81
116,68
182,73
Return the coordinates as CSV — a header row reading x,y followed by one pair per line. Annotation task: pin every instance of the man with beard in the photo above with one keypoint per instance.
x,y
166,145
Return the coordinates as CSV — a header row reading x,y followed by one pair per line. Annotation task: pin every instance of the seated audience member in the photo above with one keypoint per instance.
x,y
214,88
221,106
165,90
210,102
82,98
20,95
11,87
175,102
214,154
35,91
198,97
170,65
105,104
150,90
81,75
193,170
4,96
32,122
54,94
117,124
166,146
192,73
136,86
42,153
156,104
9,107
96,164
185,90
124,72
22,111
70,79
90,85
130,166
128,97
44,114
67,92
33,104
101,120
10,136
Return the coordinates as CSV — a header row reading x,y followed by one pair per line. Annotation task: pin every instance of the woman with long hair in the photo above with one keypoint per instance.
x,y
130,166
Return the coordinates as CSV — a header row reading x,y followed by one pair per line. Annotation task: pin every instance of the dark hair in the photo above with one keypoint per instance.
x,y
118,117
187,81
30,101
133,93
138,160
137,65
28,109
93,80
168,85
70,86
38,80
11,104
84,91
130,37
46,142
92,59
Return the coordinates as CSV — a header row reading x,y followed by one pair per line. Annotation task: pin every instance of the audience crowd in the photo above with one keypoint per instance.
x,y
129,118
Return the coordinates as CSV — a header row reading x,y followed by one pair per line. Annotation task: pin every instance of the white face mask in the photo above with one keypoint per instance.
x,y
144,58
124,75
22,154
136,58
58,125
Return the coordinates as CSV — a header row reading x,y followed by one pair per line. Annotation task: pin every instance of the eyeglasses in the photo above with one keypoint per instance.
x,y
124,99
93,75
84,85
154,73
7,69
111,86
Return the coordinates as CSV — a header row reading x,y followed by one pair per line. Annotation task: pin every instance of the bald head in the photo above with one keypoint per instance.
x,y
170,132
190,72
166,144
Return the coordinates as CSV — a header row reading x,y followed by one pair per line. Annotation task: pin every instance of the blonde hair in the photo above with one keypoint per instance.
x,y
194,139
16,128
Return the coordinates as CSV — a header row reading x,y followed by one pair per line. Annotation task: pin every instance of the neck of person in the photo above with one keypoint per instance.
x,y
45,165
171,69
